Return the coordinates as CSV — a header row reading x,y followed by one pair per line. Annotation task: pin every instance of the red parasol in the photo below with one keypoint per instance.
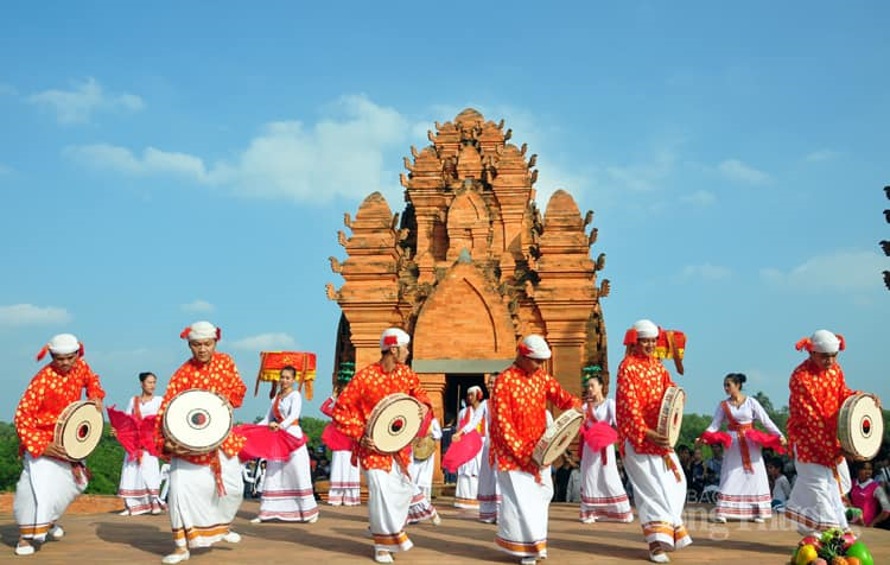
x,y
134,435
461,451
266,443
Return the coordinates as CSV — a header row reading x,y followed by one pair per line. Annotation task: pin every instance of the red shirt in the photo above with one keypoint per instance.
x,y
46,397
356,402
816,399
642,382
220,376
518,407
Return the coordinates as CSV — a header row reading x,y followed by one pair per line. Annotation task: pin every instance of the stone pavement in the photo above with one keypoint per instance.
x,y
341,536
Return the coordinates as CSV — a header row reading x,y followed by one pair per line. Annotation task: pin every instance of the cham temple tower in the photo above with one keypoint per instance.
x,y
469,267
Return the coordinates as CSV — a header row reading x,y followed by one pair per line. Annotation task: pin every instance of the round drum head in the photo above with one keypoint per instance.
x,y
671,418
861,426
557,437
198,420
81,429
423,448
395,422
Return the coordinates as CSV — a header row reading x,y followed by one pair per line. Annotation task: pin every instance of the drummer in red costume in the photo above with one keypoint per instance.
x,y
518,407
205,490
818,390
392,494
659,484
49,482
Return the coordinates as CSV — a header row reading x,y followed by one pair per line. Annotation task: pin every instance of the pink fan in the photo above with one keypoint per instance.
x,y
711,438
599,435
335,439
265,443
133,435
461,451
765,439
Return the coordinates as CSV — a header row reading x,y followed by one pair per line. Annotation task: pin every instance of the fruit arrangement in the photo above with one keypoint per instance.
x,y
833,547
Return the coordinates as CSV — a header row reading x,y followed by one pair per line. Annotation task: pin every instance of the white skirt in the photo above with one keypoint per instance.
x,y
389,499
287,490
743,495
488,493
522,523
140,484
815,502
345,483
602,494
199,516
45,489
659,494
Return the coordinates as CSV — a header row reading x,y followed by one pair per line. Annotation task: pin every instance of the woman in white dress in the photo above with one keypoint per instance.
x,y
345,479
287,485
744,492
141,475
472,416
602,494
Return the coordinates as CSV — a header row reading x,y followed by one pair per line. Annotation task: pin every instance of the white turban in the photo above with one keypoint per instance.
x,y
645,328
393,337
534,346
201,330
63,344
475,390
825,342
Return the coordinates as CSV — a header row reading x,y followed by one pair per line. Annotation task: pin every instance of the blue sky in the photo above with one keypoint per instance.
x,y
170,162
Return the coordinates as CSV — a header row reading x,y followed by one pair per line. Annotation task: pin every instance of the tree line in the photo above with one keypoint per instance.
x,y
105,462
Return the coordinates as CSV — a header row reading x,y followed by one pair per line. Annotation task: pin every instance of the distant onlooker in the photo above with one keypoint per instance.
x,y
697,472
780,486
869,497
714,465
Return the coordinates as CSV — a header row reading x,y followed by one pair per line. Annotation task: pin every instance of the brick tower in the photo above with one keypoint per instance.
x,y
470,266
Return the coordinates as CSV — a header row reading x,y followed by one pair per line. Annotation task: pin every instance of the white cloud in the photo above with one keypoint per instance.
x,y
152,161
265,342
821,155
198,307
738,171
706,272
18,315
342,155
76,106
844,271
699,198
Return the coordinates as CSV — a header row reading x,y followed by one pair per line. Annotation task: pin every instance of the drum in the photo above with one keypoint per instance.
x,y
423,448
670,417
197,421
557,437
79,429
860,426
394,422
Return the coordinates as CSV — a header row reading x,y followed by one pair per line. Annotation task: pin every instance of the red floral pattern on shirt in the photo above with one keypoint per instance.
x,y
518,407
642,382
356,402
220,376
47,396
816,399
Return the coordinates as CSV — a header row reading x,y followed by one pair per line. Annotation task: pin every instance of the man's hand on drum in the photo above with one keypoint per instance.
x,y
174,449
367,443
657,438
53,450
457,435
877,400
273,426
98,402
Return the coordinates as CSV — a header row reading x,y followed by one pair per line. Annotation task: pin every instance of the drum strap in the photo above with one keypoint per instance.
x,y
837,476
740,430
216,467
669,464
